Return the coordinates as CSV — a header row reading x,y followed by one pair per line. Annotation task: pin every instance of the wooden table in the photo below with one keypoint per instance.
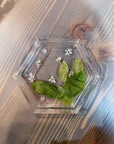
x,y
91,21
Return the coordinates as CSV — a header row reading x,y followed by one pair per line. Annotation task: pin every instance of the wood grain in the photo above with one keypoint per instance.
x,y
26,19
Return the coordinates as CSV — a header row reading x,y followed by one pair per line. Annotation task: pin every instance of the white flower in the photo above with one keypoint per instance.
x,y
58,59
42,98
52,80
71,73
44,51
31,77
38,63
68,52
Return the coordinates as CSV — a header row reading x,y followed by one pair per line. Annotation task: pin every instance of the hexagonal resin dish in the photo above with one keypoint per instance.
x,y
42,62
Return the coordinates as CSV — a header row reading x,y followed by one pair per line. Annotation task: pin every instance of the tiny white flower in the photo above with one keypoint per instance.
x,y
58,59
38,63
68,52
31,77
71,73
44,51
52,80
42,98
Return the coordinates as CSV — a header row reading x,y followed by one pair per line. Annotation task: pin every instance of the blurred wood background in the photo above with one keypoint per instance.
x,y
91,21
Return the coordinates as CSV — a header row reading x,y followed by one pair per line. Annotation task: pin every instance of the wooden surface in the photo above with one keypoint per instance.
x,y
20,21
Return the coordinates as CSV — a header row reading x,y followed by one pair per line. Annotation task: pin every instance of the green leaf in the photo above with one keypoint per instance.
x,y
72,87
46,88
76,83
77,66
63,71
66,96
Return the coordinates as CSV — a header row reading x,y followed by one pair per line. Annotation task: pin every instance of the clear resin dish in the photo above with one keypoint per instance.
x,y
41,62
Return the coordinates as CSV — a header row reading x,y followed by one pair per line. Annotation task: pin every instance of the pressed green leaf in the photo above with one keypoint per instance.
x,y
72,86
77,66
66,96
76,83
46,88
63,71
